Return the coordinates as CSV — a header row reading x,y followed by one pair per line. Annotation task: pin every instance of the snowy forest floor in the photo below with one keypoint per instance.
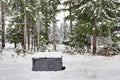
x,y
78,67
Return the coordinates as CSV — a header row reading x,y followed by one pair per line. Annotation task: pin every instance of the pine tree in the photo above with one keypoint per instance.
x,y
69,3
20,14
54,11
91,13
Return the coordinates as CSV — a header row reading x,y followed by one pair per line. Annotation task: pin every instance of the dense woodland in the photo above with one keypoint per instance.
x,y
89,24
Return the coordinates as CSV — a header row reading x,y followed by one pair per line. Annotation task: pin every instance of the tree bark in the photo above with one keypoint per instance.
x,y
70,13
28,32
25,23
38,31
25,32
15,44
28,26
54,33
3,25
28,36
94,39
46,28
32,42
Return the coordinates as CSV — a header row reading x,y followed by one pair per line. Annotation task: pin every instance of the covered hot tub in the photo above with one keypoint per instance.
x,y
47,61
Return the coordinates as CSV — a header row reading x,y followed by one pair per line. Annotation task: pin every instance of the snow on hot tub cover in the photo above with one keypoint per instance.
x,y
47,55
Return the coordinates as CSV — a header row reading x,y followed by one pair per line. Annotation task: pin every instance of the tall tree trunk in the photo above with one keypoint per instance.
x,y
3,25
38,30
28,34
54,34
94,39
28,31
15,44
32,36
70,13
25,31
110,42
25,23
32,43
46,28
28,26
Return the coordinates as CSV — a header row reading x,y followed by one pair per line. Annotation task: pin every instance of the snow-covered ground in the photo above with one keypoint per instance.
x,y
78,67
